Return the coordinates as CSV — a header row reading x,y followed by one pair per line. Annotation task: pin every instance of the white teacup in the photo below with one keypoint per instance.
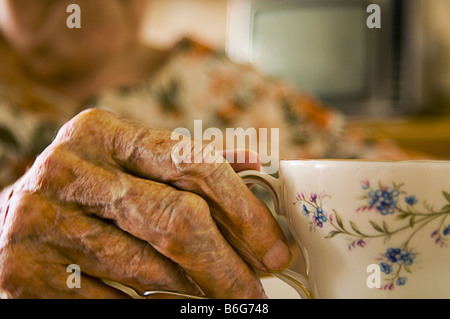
x,y
367,229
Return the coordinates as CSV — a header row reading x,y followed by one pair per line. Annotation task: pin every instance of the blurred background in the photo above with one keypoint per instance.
x,y
394,80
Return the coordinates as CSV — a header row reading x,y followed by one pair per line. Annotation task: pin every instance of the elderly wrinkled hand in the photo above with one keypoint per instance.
x,y
107,195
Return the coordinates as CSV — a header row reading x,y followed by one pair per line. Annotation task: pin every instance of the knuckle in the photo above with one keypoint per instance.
x,y
22,202
89,117
194,207
83,125
194,157
182,222
198,167
47,166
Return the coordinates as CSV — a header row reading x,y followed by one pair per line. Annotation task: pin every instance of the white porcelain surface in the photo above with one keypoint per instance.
x,y
348,215
277,289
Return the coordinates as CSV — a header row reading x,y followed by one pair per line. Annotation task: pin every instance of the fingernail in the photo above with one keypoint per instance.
x,y
277,257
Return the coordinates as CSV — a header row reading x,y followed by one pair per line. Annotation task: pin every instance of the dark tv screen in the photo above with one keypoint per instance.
x,y
322,49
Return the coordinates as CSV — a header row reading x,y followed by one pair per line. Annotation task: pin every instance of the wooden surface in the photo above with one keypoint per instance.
x,y
430,135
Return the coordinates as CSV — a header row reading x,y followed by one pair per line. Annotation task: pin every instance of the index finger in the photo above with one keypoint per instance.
x,y
244,220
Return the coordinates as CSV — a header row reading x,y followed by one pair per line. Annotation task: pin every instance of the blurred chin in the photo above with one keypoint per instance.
x,y
52,51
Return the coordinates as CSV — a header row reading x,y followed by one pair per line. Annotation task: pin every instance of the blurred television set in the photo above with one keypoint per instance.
x,y
327,48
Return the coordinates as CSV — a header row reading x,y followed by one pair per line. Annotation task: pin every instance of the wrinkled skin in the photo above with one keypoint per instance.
x,y
107,195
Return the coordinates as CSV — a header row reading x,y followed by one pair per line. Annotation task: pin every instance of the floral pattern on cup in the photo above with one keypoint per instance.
x,y
410,216
312,208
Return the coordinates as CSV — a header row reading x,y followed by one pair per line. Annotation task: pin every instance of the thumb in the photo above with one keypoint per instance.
x,y
241,160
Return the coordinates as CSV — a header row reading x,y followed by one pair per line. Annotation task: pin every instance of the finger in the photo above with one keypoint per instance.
x,y
52,283
246,221
251,161
44,275
242,159
178,224
89,288
100,250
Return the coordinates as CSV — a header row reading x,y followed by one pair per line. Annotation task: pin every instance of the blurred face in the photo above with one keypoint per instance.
x,y
37,31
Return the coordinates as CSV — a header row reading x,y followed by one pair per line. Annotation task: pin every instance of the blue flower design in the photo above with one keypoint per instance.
x,y
406,258
305,210
385,199
375,196
401,281
400,256
319,217
392,254
386,268
411,200
397,258
446,231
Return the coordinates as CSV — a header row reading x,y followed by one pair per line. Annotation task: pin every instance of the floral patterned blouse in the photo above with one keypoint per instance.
x,y
195,83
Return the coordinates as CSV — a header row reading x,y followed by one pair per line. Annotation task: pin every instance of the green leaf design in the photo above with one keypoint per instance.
x,y
376,226
355,229
446,195
402,216
338,219
412,221
333,233
385,227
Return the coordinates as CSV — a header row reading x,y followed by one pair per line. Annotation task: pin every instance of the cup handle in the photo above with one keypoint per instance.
x,y
295,280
